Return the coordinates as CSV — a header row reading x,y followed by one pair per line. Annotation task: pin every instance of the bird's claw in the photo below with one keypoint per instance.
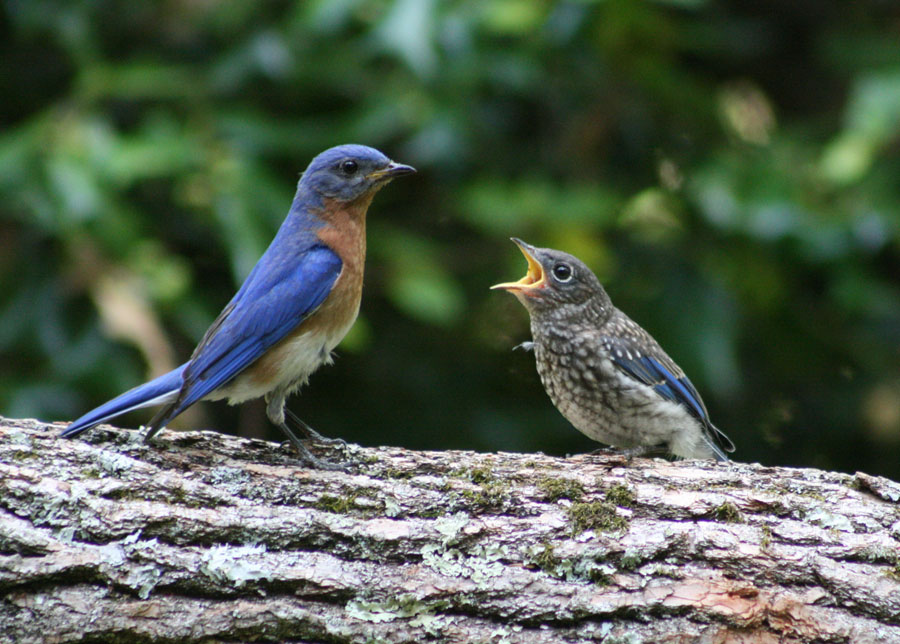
x,y
311,434
317,463
303,451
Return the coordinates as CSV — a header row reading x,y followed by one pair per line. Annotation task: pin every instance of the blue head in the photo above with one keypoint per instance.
x,y
348,172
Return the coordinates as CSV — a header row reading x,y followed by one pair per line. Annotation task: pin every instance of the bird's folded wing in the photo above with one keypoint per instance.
x,y
666,378
263,312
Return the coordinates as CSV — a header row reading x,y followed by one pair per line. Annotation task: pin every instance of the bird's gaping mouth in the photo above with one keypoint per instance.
x,y
533,279
390,171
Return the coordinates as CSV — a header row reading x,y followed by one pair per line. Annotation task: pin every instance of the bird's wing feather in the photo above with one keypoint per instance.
x,y
667,380
263,312
665,377
156,392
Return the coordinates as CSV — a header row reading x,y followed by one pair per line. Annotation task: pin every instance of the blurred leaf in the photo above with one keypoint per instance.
x,y
512,17
417,282
501,207
652,214
139,79
847,159
429,296
407,29
359,337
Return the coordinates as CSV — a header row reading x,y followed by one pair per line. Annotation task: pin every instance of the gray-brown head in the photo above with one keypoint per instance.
x,y
559,286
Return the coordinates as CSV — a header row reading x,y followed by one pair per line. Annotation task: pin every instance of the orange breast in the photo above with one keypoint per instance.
x,y
306,348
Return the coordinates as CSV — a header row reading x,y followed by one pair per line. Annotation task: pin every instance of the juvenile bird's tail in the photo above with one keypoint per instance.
x,y
718,442
156,392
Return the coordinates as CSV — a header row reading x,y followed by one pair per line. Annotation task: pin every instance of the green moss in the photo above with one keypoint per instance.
x,y
766,539
481,475
599,577
393,473
599,515
561,488
620,495
545,559
336,504
728,513
123,494
90,473
894,571
491,496
630,560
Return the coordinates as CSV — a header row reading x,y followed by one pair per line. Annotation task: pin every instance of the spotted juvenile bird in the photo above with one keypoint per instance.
x,y
293,309
604,373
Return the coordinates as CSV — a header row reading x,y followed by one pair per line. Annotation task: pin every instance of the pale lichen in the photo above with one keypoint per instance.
x,y
235,564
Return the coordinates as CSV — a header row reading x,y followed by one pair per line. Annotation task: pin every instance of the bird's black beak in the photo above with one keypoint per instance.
x,y
391,171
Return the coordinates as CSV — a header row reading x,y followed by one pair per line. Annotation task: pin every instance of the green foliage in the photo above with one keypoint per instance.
x,y
730,173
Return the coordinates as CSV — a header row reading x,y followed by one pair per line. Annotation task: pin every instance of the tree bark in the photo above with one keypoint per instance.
x,y
207,537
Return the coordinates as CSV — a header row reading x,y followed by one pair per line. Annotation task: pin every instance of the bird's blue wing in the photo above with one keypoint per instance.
x,y
270,304
666,378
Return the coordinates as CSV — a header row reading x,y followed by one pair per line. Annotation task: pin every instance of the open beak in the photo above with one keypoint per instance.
x,y
391,171
533,279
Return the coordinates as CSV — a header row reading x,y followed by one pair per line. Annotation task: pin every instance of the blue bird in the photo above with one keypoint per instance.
x,y
293,309
603,372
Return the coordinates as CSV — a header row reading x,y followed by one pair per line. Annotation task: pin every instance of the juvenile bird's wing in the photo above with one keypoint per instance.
x,y
271,303
663,375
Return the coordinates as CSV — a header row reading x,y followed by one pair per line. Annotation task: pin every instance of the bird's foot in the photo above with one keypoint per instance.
x,y
314,462
525,346
635,452
310,433
308,458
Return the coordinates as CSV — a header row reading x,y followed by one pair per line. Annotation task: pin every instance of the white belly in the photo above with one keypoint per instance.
x,y
288,365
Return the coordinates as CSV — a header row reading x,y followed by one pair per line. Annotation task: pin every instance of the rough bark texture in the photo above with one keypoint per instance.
x,y
212,538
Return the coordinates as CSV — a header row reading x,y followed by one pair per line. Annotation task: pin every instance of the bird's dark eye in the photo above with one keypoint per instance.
x,y
349,167
562,272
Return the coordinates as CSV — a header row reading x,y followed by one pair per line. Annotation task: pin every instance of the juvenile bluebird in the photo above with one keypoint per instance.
x,y
293,309
604,373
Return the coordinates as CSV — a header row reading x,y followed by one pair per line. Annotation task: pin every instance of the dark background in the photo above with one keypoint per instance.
x,y
729,169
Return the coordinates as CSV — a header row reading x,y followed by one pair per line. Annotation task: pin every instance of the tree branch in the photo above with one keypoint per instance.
x,y
211,537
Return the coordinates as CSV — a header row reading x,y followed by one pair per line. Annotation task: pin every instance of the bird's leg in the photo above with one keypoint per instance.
x,y
275,412
636,452
308,457
525,346
311,434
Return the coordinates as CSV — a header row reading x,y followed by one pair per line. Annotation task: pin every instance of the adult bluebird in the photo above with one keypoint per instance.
x,y
604,373
293,309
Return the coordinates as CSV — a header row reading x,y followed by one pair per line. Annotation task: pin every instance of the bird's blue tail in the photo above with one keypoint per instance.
x,y
156,392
